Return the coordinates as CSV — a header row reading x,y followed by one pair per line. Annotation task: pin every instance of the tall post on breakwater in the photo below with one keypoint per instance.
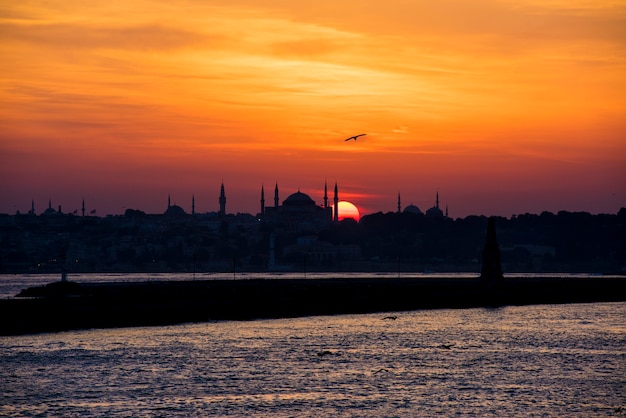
x,y
491,270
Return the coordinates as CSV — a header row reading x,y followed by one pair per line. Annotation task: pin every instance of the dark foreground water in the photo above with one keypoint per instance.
x,y
551,360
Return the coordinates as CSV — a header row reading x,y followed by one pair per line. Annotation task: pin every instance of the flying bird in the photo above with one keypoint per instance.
x,y
355,137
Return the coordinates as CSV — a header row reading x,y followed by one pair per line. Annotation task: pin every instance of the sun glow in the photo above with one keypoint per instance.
x,y
347,210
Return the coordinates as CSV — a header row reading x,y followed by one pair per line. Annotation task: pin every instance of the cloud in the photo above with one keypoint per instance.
x,y
511,26
81,36
400,130
307,48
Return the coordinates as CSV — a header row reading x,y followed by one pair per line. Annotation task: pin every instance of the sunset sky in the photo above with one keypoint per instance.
x,y
503,106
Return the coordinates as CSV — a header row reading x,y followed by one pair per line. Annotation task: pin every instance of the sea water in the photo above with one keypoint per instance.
x,y
545,360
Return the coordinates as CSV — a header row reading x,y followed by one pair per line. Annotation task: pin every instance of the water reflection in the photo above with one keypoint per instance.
x,y
513,361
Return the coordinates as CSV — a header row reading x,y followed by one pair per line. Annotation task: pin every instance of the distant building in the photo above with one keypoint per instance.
x,y
413,209
222,200
50,210
298,211
435,211
173,210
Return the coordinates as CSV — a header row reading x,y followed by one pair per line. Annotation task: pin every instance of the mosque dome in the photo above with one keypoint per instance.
x,y
175,210
413,209
49,212
298,199
434,212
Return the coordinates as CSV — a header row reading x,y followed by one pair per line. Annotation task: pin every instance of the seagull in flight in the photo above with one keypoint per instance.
x,y
355,137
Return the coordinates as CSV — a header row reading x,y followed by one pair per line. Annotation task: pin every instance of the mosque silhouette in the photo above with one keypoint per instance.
x,y
298,211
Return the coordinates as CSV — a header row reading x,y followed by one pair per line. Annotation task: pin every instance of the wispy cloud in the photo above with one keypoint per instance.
x,y
85,36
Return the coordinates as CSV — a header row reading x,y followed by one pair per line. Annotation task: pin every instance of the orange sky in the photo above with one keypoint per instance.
x,y
505,107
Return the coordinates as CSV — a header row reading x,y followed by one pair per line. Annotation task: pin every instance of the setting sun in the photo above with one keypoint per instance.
x,y
347,210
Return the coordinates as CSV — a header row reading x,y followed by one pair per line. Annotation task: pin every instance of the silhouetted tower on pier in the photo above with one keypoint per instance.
x,y
83,208
222,211
491,270
262,200
336,201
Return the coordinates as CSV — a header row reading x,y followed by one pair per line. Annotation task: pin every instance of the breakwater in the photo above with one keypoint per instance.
x,y
63,306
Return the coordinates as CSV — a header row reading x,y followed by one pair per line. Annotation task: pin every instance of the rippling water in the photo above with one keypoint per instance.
x,y
551,360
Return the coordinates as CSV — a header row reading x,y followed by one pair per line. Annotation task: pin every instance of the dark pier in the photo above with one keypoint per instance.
x,y
67,305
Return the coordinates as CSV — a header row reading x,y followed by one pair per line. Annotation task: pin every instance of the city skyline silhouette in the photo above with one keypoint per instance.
x,y
201,203
349,209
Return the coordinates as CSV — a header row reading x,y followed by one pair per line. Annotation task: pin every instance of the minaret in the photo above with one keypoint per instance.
x,y
336,200
325,195
437,200
446,210
276,195
262,200
169,201
83,209
399,205
222,201
32,207
193,204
